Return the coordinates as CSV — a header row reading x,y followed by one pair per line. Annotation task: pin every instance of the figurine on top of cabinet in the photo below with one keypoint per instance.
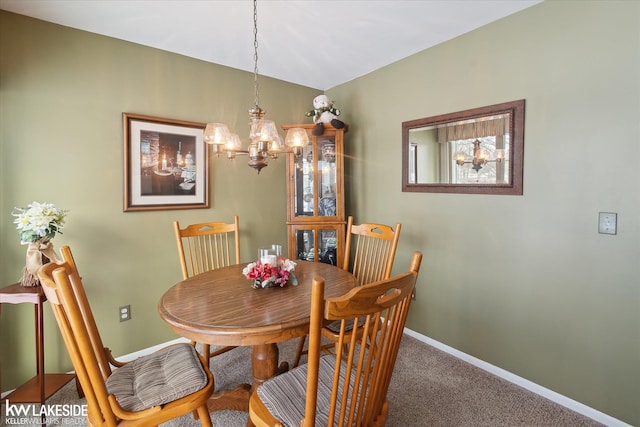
x,y
323,112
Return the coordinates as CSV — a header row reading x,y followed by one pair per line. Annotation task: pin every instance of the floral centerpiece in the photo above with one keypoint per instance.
x,y
270,276
38,224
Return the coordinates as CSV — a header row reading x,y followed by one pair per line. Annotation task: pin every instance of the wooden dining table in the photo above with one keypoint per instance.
x,y
221,307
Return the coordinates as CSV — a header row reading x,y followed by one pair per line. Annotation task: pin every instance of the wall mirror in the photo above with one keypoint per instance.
x,y
477,151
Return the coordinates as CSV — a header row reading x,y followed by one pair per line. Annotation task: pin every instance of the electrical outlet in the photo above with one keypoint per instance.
x,y
125,313
607,223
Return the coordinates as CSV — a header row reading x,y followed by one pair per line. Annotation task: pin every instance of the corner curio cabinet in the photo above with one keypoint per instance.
x,y
315,195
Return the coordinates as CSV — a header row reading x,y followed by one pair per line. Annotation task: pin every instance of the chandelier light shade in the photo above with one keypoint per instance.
x,y
264,140
233,143
460,157
297,139
216,134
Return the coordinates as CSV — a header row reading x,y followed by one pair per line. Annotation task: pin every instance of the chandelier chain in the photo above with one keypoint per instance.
x,y
263,135
255,51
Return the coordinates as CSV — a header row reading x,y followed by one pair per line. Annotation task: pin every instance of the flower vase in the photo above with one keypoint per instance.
x,y
257,284
39,253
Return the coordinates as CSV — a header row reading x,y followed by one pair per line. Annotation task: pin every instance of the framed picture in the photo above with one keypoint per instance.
x,y
166,164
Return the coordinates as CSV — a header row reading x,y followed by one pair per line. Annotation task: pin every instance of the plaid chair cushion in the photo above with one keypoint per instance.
x,y
284,395
158,378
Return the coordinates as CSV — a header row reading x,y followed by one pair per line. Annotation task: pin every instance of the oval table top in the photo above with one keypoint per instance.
x,y
221,307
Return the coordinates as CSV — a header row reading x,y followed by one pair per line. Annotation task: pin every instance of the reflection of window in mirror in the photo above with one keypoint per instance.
x,y
491,164
479,149
412,162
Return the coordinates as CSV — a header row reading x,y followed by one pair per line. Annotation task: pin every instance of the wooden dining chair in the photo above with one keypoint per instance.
x,y
370,250
369,253
350,387
208,246
144,392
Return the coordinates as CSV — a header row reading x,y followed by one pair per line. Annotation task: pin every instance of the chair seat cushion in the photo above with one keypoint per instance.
x,y
335,325
285,394
159,378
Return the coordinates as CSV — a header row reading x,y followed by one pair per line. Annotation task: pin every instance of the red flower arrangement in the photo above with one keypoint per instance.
x,y
271,276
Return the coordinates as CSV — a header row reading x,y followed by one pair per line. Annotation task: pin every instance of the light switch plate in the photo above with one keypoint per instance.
x,y
607,223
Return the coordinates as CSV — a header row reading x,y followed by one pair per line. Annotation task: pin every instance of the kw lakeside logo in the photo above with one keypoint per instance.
x,y
25,414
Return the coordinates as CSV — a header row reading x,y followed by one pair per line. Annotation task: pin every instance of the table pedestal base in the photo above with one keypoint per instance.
x,y
236,399
264,360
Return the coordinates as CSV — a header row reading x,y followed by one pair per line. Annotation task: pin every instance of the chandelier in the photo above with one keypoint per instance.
x,y
480,157
265,142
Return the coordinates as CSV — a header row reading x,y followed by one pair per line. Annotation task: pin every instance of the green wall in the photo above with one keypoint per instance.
x,y
62,95
525,283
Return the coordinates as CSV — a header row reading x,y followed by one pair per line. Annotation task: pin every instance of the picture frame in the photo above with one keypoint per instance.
x,y
166,164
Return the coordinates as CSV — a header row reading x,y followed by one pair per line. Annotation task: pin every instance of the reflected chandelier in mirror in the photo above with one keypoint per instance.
x,y
477,151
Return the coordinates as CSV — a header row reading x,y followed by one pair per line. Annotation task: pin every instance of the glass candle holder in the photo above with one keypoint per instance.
x,y
267,256
277,250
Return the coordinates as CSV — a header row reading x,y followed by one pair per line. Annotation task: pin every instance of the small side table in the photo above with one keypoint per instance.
x,y
40,387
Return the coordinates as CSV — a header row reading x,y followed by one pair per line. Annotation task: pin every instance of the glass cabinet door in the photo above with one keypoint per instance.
x,y
305,245
305,193
327,182
328,246
316,243
315,180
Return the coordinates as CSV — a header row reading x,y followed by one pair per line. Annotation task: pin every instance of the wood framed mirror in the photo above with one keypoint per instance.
x,y
476,151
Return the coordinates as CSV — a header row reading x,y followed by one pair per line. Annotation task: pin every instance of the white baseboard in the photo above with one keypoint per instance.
x,y
133,356
526,384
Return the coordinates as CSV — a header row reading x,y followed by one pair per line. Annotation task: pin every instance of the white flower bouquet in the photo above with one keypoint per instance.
x,y
38,224
39,221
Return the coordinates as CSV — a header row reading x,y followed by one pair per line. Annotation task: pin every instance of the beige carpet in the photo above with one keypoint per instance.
x,y
429,388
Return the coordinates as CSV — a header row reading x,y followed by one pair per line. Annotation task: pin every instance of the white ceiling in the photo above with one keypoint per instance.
x,y
316,43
